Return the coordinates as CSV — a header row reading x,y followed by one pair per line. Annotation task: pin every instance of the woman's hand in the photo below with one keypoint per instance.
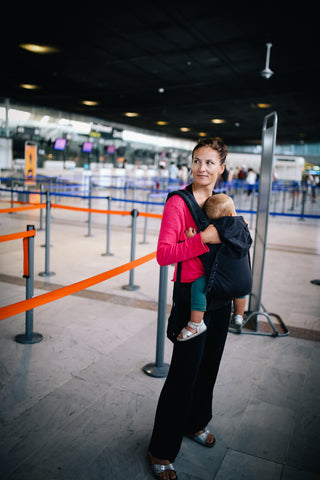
x,y
210,235
190,232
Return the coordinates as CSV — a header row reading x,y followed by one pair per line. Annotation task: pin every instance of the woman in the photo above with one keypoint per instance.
x,y
185,403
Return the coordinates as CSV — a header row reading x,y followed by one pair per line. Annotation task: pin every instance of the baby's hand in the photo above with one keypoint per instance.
x,y
190,232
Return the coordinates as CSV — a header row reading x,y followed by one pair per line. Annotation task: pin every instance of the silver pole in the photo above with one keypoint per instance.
x,y
108,229
131,285
47,272
159,368
29,336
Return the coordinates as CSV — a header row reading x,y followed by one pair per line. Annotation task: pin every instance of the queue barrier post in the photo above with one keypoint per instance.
x,y
41,210
47,272
11,193
89,207
160,369
108,229
29,336
253,192
293,194
131,286
304,197
144,241
133,194
125,195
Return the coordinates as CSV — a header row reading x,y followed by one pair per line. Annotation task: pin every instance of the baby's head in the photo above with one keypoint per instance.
x,y
219,205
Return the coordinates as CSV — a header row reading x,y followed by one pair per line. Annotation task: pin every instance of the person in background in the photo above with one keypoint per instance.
x,y
183,173
242,173
251,180
173,172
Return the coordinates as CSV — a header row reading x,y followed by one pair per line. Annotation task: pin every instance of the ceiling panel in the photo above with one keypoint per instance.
x,y
207,59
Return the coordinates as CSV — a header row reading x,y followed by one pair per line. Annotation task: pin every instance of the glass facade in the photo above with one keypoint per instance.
x,y
90,140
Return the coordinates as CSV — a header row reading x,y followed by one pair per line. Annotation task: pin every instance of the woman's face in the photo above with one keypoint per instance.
x,y
206,167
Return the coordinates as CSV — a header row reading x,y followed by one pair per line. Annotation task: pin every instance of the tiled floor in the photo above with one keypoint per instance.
x,y
79,406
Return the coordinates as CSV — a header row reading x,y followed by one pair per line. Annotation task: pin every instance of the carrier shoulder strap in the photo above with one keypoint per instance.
x,y
196,212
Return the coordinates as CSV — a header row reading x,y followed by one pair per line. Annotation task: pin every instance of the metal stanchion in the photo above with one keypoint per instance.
x,y
47,272
131,285
29,336
89,206
41,209
144,241
293,194
253,192
108,229
274,192
133,193
11,194
284,199
160,369
125,195
304,197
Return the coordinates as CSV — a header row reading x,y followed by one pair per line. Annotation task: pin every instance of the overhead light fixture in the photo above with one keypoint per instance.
x,y
267,73
41,49
185,129
29,86
218,120
202,134
264,105
90,103
162,122
161,90
131,114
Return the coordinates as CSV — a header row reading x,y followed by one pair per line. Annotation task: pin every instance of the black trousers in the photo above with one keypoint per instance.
x,y
185,402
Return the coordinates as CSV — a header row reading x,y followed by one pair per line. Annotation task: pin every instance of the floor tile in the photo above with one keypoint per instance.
x,y
241,466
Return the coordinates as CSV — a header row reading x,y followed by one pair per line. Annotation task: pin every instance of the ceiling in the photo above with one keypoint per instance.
x,y
206,58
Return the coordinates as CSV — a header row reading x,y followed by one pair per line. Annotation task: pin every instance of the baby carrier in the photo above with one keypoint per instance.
x,y
227,265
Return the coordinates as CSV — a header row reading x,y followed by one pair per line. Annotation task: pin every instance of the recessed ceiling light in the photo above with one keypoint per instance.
x,y
89,103
185,129
202,134
131,114
161,90
41,49
264,105
162,122
218,120
29,86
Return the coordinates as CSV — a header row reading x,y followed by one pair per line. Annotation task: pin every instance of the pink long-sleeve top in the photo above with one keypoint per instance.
x,y
174,246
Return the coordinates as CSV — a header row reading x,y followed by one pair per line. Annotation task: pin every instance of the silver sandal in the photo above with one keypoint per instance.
x,y
157,469
202,438
187,335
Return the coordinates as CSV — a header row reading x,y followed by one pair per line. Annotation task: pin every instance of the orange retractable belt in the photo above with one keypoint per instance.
x,y
31,303
15,236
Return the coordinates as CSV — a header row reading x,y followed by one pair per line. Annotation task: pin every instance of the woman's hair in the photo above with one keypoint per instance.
x,y
216,145
218,205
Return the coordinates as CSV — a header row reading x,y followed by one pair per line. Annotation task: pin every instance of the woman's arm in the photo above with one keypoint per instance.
x,y
173,245
210,235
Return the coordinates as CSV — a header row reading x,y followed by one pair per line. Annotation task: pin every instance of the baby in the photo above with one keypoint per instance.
x,y
216,206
